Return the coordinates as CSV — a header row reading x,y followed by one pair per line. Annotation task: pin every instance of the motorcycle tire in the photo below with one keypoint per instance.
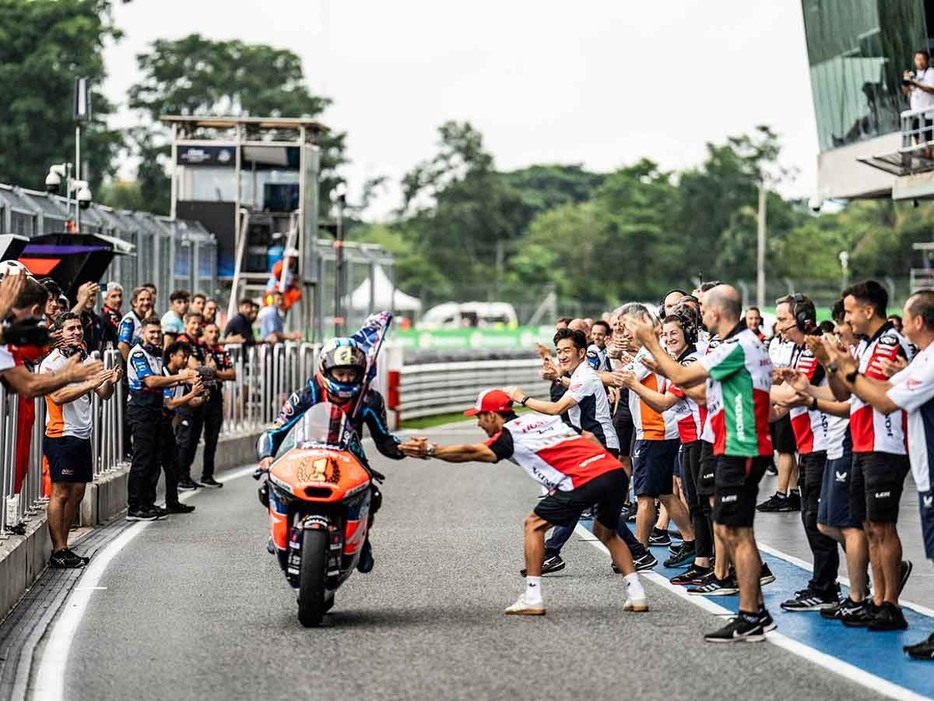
x,y
312,603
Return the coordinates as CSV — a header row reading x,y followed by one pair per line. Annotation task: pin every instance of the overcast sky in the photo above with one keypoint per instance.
x,y
602,82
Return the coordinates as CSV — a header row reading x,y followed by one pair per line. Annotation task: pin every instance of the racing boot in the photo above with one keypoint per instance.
x,y
366,562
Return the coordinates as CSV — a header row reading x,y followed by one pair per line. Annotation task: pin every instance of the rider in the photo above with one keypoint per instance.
x,y
339,380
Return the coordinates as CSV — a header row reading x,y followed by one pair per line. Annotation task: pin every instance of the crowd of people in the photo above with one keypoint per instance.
x,y
695,404
172,369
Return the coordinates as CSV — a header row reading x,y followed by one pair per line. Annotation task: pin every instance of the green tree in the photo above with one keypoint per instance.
x,y
44,46
200,76
545,187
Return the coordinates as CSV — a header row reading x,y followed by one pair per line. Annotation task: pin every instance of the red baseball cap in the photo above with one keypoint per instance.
x,y
495,400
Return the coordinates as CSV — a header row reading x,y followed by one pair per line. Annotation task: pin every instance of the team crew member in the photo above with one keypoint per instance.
x,y
189,422
577,471
129,333
739,376
657,444
679,334
67,441
586,407
786,497
796,317
224,371
911,390
880,460
175,398
144,414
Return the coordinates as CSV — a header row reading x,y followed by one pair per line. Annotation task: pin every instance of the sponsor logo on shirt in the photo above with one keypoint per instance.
x,y
882,495
841,476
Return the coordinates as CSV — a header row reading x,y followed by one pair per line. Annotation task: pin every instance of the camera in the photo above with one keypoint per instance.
x,y
83,194
52,182
907,77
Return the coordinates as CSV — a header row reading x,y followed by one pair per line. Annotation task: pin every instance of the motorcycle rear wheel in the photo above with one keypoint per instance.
x,y
312,603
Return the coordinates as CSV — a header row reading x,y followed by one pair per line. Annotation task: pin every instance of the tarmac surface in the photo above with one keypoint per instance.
x,y
194,608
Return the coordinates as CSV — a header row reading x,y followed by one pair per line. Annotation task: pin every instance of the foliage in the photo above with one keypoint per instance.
x,y
44,46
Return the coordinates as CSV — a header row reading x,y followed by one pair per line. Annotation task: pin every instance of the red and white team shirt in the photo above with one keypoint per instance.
x,y
551,452
689,414
873,431
811,428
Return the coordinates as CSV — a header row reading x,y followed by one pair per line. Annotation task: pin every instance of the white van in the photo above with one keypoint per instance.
x,y
470,315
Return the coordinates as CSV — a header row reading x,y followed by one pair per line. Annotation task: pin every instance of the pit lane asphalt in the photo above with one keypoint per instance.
x,y
194,608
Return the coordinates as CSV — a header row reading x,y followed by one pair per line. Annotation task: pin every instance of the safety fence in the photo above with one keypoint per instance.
x,y
265,376
430,389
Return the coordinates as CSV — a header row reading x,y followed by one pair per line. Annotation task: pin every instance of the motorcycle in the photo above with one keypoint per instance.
x,y
318,496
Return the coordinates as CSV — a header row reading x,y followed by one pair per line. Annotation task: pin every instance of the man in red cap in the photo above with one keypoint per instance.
x,y
576,469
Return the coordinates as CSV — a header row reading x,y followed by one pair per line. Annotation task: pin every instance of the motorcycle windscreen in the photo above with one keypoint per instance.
x,y
324,424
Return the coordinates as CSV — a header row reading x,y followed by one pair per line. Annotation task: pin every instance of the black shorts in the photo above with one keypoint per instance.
x,y
736,488
69,459
783,435
876,486
653,467
707,470
606,493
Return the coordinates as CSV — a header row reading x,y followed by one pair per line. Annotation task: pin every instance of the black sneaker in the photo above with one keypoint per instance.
x,y
765,575
160,511
766,620
904,572
83,557
659,537
809,600
552,563
794,500
644,563
776,502
691,575
187,485
841,608
921,651
889,617
142,515
179,508
738,630
715,587
771,469
860,617
627,511
210,482
64,559
682,556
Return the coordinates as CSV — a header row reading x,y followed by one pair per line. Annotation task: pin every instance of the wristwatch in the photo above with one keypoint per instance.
x,y
522,401
851,376
430,452
814,404
832,368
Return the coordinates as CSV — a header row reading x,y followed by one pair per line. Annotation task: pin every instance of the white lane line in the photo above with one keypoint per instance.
x,y
50,677
870,681
807,567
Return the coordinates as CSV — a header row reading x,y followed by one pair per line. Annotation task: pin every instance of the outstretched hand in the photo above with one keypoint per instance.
x,y
415,447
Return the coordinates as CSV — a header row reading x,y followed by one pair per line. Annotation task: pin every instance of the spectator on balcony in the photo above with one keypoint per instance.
x,y
919,86
272,322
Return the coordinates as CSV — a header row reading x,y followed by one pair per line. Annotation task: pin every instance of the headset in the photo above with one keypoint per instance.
x,y
687,317
804,312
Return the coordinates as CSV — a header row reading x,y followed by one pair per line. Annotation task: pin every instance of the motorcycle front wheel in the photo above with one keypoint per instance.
x,y
311,590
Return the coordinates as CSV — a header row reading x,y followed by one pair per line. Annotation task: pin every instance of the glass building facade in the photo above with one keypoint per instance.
x,y
857,52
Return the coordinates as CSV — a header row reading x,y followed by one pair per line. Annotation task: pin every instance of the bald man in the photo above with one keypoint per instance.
x,y
738,375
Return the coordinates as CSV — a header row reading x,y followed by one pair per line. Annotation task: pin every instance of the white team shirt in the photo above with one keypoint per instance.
x,y
70,419
913,390
592,411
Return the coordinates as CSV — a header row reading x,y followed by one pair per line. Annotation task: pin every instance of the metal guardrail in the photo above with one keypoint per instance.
x,y
443,388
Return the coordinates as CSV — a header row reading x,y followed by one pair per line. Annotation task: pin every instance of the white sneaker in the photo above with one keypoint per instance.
x,y
526,608
638,604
